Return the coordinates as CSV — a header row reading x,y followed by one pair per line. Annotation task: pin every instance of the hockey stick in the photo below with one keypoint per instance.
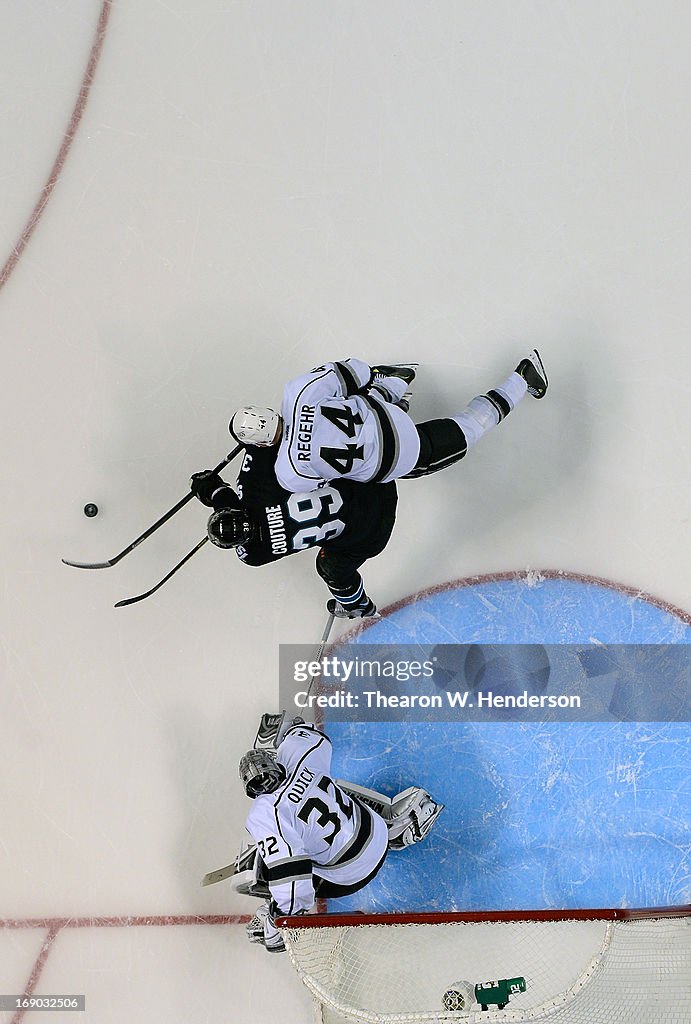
x,y
152,529
141,597
322,644
219,875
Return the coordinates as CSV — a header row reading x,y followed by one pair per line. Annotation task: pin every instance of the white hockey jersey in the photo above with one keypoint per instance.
x,y
334,429
310,827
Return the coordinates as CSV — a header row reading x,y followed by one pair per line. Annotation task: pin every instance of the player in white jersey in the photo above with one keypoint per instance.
x,y
349,420
315,837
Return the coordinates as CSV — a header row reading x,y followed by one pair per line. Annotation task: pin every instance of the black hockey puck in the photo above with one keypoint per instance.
x,y
90,509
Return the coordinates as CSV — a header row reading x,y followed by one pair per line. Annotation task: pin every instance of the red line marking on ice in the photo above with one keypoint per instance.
x,y
39,964
520,576
55,925
67,140
127,921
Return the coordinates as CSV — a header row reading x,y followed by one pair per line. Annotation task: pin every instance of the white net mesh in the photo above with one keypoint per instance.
x,y
576,971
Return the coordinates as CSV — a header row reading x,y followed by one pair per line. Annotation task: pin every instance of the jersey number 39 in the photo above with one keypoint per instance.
x,y
318,509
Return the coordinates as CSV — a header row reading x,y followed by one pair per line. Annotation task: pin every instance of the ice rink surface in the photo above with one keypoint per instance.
x,y
201,201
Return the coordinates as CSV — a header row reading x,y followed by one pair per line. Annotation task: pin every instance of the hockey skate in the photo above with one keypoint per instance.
x,y
397,390
366,610
406,371
533,373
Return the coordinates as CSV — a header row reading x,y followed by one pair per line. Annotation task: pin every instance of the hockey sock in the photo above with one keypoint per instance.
x,y
486,411
351,594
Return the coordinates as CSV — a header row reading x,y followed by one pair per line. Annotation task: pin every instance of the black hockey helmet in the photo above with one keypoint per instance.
x,y
260,772
229,527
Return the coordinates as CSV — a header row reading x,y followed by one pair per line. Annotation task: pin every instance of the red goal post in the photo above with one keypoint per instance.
x,y
604,966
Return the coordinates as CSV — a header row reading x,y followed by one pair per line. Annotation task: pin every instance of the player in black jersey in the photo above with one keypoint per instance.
x,y
349,522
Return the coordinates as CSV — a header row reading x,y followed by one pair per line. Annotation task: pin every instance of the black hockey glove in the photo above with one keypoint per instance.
x,y
204,484
364,609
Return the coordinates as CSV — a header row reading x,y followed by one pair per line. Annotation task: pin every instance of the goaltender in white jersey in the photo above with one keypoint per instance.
x,y
349,420
313,836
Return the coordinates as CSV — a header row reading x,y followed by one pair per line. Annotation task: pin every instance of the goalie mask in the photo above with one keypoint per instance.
x,y
261,773
254,425
229,527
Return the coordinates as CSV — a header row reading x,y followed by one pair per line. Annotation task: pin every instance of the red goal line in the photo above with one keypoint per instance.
x,y
127,921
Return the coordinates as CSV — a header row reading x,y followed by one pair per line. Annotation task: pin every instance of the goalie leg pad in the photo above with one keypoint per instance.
x,y
377,801
255,927
409,816
413,813
261,929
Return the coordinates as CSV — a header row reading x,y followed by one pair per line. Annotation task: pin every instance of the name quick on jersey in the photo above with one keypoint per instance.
x,y
277,530
304,433
299,787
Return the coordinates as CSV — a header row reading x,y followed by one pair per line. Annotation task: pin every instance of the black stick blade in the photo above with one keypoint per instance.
x,y
88,565
142,597
147,533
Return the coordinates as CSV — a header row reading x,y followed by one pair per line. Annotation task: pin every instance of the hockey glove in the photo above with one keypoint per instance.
x,y
364,609
204,485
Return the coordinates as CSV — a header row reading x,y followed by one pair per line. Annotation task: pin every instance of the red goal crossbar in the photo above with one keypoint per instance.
x,y
353,920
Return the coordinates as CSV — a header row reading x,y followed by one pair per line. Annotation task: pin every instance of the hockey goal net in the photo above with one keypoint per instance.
x,y
579,967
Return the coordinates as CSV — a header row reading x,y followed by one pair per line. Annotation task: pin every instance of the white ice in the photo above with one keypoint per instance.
x,y
254,188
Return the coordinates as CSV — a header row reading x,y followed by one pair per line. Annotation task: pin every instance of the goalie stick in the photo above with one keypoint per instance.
x,y
219,875
152,529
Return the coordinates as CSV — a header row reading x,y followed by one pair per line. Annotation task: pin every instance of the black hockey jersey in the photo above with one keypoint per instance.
x,y
350,522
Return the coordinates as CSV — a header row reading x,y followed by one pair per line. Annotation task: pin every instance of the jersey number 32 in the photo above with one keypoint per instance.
x,y
327,813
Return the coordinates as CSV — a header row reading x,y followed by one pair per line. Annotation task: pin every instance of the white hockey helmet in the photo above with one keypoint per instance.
x,y
254,425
